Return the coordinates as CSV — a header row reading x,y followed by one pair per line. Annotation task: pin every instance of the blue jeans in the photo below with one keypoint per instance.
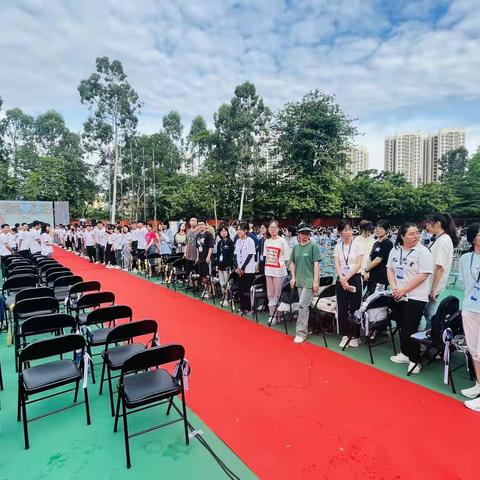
x,y
430,311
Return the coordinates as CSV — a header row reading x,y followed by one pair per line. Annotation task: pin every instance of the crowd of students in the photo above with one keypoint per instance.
x,y
413,263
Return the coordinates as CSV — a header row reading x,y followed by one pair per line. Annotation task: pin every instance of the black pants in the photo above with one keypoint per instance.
x,y
91,253
189,267
244,284
3,260
24,253
407,315
100,253
347,303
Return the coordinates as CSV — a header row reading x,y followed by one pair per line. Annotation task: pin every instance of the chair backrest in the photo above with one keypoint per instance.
x,y
50,347
260,280
12,258
17,264
51,277
66,281
153,357
32,305
47,323
128,331
21,270
18,282
448,306
54,268
84,287
108,314
94,300
330,291
36,292
46,261
324,281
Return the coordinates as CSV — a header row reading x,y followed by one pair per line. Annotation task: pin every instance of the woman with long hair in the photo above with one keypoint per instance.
x,y
180,238
224,259
348,256
443,242
409,267
46,241
469,276
245,266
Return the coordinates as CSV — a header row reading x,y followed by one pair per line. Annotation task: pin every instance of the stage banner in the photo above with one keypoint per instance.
x,y
12,212
62,213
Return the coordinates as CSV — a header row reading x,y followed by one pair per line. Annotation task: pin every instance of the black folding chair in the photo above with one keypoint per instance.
x,y
77,290
20,270
114,358
49,375
49,274
99,317
258,294
13,285
14,258
315,312
36,292
141,387
90,301
288,296
51,277
63,284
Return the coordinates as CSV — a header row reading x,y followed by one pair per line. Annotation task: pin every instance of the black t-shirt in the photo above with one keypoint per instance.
x,y
225,250
382,250
204,242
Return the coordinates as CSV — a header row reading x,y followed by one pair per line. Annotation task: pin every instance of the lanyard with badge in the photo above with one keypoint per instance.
x,y
476,289
400,269
346,267
435,240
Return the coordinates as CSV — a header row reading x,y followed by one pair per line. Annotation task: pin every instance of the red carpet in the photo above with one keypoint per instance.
x,y
300,411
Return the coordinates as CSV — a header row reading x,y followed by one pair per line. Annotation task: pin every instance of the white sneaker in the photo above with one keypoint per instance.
x,y
354,342
472,392
96,263
118,267
135,270
400,358
225,303
344,341
473,404
272,321
298,339
125,269
415,370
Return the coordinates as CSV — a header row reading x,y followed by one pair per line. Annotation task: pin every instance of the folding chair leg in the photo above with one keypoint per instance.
x,y
19,402
347,344
102,378
87,405
1,378
24,418
370,349
92,366
170,403
110,391
392,336
450,377
115,425
185,423
76,392
125,434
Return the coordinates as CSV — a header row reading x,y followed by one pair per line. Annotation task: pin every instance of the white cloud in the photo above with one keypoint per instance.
x,y
393,70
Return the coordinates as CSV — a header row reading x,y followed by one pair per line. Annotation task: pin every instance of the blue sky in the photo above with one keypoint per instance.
x,y
393,65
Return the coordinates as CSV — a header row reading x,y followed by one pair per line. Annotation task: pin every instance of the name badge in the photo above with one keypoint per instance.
x,y
475,293
200,249
220,259
400,272
345,270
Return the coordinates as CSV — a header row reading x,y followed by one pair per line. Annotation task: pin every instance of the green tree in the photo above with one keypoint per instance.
x,y
313,137
198,142
453,165
113,106
467,190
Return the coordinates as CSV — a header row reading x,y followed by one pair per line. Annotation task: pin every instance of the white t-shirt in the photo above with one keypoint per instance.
x,y
127,238
347,254
442,252
244,248
12,239
276,252
367,244
4,251
415,261
142,241
117,241
35,241
88,238
100,236
46,243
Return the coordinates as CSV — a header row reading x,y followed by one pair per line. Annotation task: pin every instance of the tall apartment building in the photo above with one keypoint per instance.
x,y
357,160
417,157
438,144
404,154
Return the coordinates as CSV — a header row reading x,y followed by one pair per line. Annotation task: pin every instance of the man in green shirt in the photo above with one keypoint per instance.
x,y
305,270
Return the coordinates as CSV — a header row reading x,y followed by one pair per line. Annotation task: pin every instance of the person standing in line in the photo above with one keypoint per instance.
x,y
305,270
224,256
366,241
89,243
348,256
141,244
126,248
204,243
5,249
409,266
35,233
100,238
190,254
276,253
444,241
46,241
180,238
117,246
376,269
262,236
245,266
469,277
151,247
23,240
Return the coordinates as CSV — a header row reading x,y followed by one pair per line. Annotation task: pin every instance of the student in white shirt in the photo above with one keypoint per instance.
x,y
444,240
117,246
89,243
5,248
409,267
100,237
46,241
245,266
127,248
276,253
348,256
35,233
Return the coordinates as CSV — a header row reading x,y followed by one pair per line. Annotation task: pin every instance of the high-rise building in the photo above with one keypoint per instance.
x,y
357,159
404,154
417,157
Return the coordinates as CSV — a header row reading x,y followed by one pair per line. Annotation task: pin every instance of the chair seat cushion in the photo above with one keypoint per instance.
x,y
116,356
61,293
24,316
146,386
99,336
50,374
422,337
